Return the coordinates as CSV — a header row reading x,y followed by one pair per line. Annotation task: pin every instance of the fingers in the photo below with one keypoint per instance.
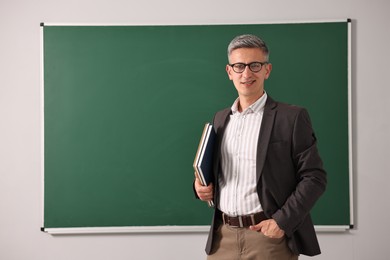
x,y
205,193
256,227
269,228
197,182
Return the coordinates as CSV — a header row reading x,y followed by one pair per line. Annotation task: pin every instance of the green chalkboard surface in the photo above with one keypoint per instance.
x,y
124,108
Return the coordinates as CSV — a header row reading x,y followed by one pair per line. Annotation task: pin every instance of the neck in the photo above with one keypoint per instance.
x,y
244,102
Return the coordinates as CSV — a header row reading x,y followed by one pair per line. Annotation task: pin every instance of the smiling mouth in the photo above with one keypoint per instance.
x,y
250,82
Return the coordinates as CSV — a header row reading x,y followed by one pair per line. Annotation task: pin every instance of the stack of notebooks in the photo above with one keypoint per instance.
x,y
203,163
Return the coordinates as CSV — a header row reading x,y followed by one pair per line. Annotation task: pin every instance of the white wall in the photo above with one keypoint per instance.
x,y
20,138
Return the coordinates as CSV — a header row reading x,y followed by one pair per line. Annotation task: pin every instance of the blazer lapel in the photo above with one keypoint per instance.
x,y
265,134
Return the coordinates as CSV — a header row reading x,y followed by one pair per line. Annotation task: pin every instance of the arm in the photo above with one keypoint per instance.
x,y
309,173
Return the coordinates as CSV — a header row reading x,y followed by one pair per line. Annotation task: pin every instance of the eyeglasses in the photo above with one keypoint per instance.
x,y
253,66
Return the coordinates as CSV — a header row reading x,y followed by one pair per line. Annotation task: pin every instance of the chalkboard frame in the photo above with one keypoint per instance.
x,y
194,228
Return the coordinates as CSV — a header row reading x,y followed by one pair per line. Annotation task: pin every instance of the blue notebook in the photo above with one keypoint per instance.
x,y
203,163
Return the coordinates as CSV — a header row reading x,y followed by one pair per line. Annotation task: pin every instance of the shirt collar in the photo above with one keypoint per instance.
x,y
256,107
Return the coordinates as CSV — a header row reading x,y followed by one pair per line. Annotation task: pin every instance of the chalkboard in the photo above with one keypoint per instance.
x,y
124,107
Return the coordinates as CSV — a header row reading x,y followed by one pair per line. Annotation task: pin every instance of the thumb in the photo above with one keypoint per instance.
x,y
256,227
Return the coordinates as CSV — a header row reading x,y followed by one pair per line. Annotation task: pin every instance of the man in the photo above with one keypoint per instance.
x,y
267,170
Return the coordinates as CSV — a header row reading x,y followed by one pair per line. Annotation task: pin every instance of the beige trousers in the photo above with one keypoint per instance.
x,y
233,243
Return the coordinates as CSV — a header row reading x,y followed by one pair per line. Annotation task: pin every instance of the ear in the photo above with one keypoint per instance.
x,y
229,71
268,69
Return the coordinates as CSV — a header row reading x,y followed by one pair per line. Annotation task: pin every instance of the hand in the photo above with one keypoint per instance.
x,y
269,228
205,193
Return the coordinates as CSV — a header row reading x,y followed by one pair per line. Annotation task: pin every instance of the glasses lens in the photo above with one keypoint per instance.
x,y
239,67
255,66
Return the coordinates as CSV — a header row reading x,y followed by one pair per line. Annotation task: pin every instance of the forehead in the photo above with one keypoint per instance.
x,y
246,55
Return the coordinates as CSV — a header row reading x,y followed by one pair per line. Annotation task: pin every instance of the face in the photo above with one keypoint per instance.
x,y
249,85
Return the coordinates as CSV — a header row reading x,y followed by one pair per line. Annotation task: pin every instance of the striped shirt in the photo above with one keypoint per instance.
x,y
237,183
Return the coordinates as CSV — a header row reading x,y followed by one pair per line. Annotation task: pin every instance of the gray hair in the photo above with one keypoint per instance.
x,y
248,41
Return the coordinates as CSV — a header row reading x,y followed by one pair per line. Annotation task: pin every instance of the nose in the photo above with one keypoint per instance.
x,y
247,72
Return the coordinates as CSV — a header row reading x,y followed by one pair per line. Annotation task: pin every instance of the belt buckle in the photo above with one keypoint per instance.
x,y
241,224
253,219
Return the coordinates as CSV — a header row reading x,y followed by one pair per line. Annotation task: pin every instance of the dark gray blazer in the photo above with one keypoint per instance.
x,y
289,172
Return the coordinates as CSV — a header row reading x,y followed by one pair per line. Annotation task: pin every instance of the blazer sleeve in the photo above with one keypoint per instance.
x,y
310,175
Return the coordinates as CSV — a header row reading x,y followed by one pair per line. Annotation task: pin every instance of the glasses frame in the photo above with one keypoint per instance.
x,y
249,66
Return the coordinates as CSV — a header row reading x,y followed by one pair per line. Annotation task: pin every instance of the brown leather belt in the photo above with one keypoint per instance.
x,y
243,221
